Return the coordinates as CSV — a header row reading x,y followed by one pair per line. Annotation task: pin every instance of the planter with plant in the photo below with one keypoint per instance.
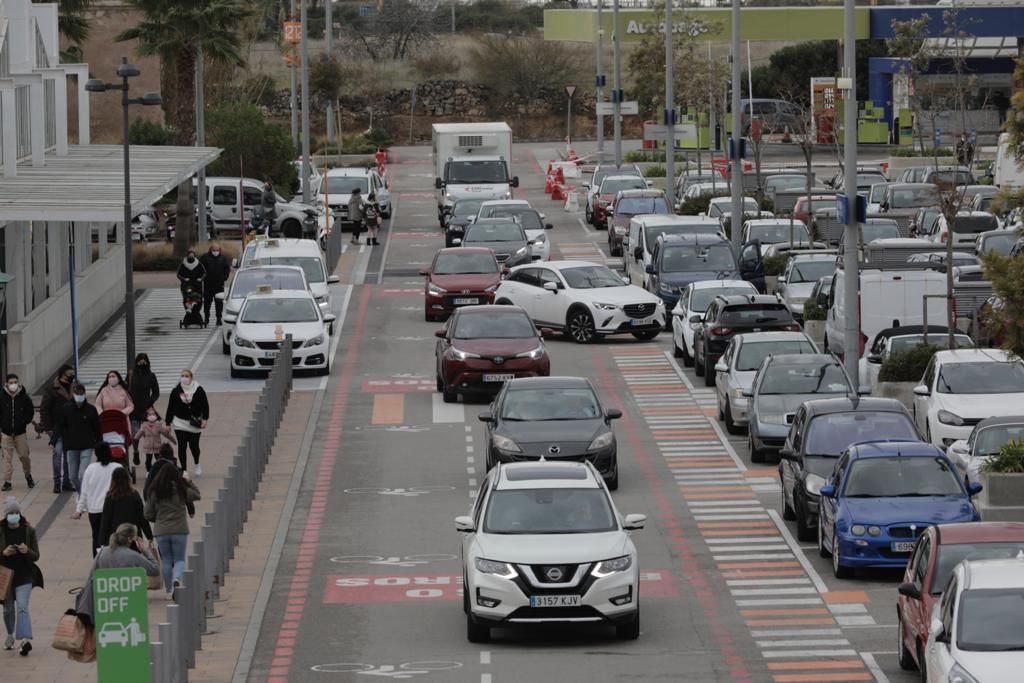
x,y
902,371
774,266
1002,476
814,322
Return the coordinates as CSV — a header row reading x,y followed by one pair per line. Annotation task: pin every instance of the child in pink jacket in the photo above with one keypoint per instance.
x,y
151,434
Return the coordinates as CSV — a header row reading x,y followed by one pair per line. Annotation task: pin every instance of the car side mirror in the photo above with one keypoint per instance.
x,y
786,453
549,226
922,390
721,367
909,590
937,632
515,181
424,271
551,287
547,332
959,447
440,334
586,186
638,253
219,296
330,317
464,524
974,488
874,358
485,416
438,184
696,319
748,393
634,522
333,279
649,269
230,319
612,414
827,491
234,263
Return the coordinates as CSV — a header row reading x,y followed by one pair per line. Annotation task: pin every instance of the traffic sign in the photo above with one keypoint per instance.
x,y
121,615
293,32
628,108
570,90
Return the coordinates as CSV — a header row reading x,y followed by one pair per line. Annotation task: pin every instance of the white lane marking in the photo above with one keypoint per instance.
x,y
485,678
206,349
469,439
339,325
808,653
744,539
754,556
800,557
447,412
778,601
827,642
485,657
583,224
862,620
713,503
740,465
853,608
773,632
876,671
809,590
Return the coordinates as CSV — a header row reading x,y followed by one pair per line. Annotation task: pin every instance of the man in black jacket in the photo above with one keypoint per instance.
x,y
144,390
16,413
79,428
55,397
218,270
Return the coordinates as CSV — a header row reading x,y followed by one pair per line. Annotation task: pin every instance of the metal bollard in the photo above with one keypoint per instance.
x,y
188,606
176,659
165,673
204,606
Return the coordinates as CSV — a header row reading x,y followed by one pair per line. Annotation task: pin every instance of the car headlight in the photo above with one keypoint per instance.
x,y
948,418
321,299
534,354
772,418
737,393
435,290
491,289
667,289
613,566
602,441
459,354
522,250
541,239
503,443
857,529
605,307
508,195
500,569
874,531
315,341
958,675
244,343
813,483
449,197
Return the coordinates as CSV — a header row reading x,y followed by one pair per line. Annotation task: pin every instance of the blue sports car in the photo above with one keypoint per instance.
x,y
881,496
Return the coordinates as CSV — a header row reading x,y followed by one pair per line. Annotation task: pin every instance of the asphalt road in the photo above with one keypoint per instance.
x,y
369,581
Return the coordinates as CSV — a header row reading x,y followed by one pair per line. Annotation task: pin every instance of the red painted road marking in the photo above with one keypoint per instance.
x,y
415,233
397,385
404,291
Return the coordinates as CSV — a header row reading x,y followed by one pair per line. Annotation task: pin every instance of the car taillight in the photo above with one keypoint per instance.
x,y
721,331
794,327
944,237
863,343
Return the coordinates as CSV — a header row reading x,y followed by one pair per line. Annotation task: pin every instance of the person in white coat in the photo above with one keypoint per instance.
x,y
93,492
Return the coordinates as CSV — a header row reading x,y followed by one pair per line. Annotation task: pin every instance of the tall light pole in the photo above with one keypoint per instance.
x,y
599,81
851,232
670,109
329,25
617,92
200,138
126,71
736,167
293,101
305,101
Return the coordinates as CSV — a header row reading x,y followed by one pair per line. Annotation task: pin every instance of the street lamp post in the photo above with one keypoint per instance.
x,y
126,71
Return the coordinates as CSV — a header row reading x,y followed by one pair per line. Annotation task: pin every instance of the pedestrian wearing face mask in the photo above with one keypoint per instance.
x,y
218,269
16,413
191,273
151,434
55,397
145,390
113,395
79,429
188,409
20,554
93,492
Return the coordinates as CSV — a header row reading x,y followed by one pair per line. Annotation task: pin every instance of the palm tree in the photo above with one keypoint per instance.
x,y
173,30
73,26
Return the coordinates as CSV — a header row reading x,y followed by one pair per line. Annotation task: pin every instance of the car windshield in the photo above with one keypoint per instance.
x,y
494,232
866,180
879,231
951,555
702,298
826,378
548,405
991,439
503,325
312,267
465,264
692,258
1000,244
832,433
950,177
290,310
877,192
345,184
784,183
634,206
524,215
752,354
803,206
938,339
591,277
966,225
981,378
246,281
467,207
549,511
773,234
753,314
602,173
991,620
812,271
613,185
900,476
485,172
913,198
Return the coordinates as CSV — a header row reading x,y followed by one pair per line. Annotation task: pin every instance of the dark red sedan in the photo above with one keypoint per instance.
x,y
459,276
482,347
938,550
629,203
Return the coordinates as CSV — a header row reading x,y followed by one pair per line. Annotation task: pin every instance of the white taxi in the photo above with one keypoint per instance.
x,y
266,318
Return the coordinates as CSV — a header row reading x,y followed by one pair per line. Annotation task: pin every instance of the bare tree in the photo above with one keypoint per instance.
x,y
392,32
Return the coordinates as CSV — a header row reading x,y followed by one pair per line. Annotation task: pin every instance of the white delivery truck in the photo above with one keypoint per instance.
x,y
472,160
1007,169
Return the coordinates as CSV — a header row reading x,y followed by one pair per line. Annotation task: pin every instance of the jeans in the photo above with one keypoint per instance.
x,y
77,462
60,458
186,441
172,557
16,616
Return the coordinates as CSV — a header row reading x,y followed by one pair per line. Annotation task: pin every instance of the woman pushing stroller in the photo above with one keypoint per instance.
x,y
192,275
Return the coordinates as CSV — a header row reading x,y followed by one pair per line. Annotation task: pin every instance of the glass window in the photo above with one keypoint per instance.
x,y
548,405
633,206
964,225
879,230
951,555
510,325
920,562
246,281
613,185
911,198
989,440
1001,244
311,265
280,311
454,263
826,378
225,195
702,297
938,339
591,277
991,620
687,258
545,276
467,172
549,511
833,433
776,233
811,271
251,196
467,207
494,232
981,378
898,476
527,276
345,184
753,314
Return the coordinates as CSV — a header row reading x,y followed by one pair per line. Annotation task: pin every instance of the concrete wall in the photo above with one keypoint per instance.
x,y
37,345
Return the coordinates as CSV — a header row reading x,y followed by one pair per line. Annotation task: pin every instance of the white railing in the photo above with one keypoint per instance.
x,y
42,59
23,119
50,113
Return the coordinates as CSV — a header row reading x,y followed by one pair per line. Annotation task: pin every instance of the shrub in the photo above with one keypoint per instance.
x,y
528,68
262,149
436,64
906,366
928,152
695,205
656,171
776,265
1009,459
144,132
160,256
812,311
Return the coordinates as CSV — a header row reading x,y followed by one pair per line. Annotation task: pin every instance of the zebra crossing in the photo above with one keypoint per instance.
x,y
170,349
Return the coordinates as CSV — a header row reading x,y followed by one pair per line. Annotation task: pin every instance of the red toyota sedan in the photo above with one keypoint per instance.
x,y
459,276
938,550
481,347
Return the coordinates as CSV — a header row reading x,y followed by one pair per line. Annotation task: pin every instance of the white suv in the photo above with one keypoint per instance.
x,y
544,543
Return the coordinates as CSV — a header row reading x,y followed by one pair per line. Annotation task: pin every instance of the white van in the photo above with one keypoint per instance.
x,y
644,231
888,298
305,254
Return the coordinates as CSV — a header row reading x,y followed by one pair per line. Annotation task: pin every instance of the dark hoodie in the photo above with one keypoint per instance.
x,y
191,275
16,412
55,397
143,387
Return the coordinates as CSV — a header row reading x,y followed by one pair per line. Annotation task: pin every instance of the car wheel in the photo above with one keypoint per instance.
x,y
838,569
687,358
291,229
698,367
787,511
580,325
709,372
427,317
503,302
907,662
629,629
449,395
804,531
730,425
646,335
613,481
439,384
224,348
822,550
756,454
477,632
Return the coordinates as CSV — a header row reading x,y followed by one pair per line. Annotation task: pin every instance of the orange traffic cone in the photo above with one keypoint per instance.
x,y
549,183
557,194
560,176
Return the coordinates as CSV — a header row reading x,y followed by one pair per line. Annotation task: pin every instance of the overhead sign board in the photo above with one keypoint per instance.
x,y
629,108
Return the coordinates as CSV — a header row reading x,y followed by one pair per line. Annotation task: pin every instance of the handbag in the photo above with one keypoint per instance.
x,y
6,581
70,633
87,654
155,583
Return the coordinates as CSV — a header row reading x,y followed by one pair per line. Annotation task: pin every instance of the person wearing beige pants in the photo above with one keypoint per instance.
x,y
16,413
11,445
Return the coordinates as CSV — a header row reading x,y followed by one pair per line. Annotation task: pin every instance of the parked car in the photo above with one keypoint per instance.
x,y
644,231
937,260
504,236
902,201
874,198
719,206
865,179
610,186
728,316
966,227
735,370
552,418
229,209
775,116
820,432
819,293
879,229
678,260
626,205
987,437
335,190
781,384
459,276
948,175
691,306
802,272
247,281
804,208
903,338
482,347
879,495
912,174
600,171
939,549
998,241
463,213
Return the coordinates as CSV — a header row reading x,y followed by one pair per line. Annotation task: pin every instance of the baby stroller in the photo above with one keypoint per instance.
x,y
117,433
192,301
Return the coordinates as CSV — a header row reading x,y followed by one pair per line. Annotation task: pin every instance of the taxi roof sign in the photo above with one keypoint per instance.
x,y
264,289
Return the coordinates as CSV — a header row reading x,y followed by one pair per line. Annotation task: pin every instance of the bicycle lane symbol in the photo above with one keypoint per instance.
x,y
405,670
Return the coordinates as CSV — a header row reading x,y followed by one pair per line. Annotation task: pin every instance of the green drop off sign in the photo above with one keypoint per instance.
x,y
121,613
